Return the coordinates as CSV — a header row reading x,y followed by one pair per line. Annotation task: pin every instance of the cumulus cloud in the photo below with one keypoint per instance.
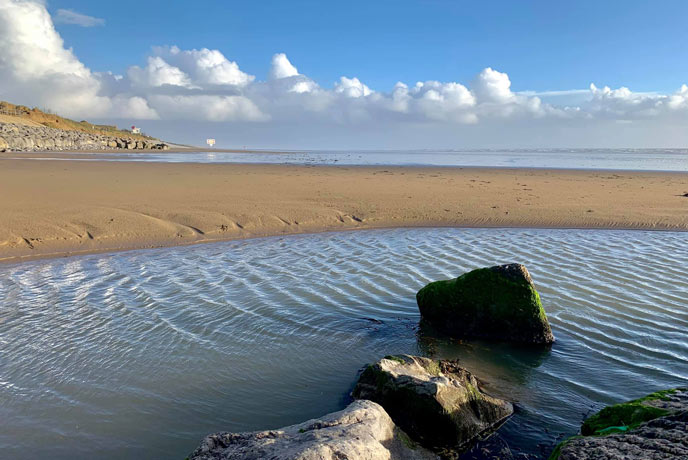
x,y
204,84
678,100
204,66
351,87
444,101
493,86
622,103
72,17
281,67
158,73
37,69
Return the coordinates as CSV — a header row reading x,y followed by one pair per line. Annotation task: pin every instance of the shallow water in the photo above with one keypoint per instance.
x,y
140,354
619,159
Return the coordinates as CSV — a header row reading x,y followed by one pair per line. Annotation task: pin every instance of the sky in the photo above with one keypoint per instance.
x,y
365,75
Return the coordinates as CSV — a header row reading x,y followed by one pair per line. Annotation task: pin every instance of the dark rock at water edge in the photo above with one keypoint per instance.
x,y
654,427
361,431
499,303
438,403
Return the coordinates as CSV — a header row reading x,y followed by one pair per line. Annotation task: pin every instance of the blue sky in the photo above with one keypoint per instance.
x,y
542,45
375,74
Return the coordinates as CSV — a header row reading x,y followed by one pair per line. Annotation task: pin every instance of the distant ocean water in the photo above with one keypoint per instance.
x,y
140,354
619,159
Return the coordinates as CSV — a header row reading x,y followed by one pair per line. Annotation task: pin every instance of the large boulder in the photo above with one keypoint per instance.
x,y
498,303
654,427
361,431
438,403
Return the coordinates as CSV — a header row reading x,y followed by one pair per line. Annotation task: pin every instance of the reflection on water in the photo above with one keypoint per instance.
x,y
624,159
140,354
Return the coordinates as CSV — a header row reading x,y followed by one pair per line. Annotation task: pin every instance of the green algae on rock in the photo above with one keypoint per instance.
x,y
437,403
653,426
628,415
498,303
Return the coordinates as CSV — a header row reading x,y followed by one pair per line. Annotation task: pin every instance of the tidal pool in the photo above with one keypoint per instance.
x,y
140,354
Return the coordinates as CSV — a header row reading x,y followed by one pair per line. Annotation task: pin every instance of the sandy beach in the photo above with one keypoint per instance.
x,y
59,208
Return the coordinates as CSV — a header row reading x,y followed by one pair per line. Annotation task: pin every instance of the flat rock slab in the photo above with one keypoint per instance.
x,y
361,431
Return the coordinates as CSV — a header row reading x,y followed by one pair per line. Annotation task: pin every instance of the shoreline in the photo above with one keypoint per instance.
x,y
152,247
76,207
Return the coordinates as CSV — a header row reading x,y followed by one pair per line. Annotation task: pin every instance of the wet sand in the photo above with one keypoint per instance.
x,y
59,208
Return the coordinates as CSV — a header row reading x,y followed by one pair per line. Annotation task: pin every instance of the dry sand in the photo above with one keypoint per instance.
x,y
54,208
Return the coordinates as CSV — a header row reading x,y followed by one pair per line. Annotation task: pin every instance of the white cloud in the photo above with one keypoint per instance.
x,y
304,86
72,17
622,103
204,66
351,87
444,101
36,68
281,67
207,107
679,100
493,86
158,73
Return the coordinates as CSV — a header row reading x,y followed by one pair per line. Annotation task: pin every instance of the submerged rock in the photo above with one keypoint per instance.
x,y
498,303
438,403
361,431
654,427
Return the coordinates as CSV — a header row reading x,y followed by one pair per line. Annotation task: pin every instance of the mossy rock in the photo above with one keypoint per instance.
x,y
437,403
499,303
624,420
628,415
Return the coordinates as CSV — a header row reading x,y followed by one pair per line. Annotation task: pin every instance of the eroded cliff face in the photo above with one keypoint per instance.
x,y
24,138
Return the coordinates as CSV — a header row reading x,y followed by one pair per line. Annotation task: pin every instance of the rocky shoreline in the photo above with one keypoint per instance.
x,y
437,408
25,138
411,407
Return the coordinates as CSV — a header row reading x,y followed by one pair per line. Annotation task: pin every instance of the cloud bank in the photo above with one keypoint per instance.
x,y
205,85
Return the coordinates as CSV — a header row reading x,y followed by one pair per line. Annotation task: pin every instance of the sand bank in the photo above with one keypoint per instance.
x,y
55,208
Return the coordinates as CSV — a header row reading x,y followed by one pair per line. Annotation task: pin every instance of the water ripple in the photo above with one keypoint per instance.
x,y
140,354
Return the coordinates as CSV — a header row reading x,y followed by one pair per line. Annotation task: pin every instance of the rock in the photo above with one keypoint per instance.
x,y
361,431
33,138
498,303
665,438
47,144
654,427
438,403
